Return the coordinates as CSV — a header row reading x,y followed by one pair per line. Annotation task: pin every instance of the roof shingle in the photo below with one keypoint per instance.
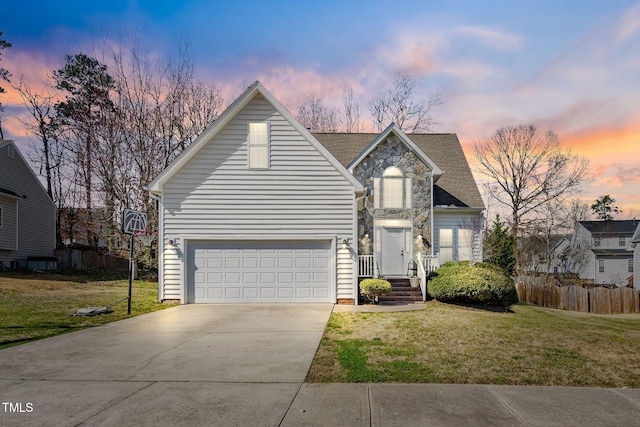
x,y
456,186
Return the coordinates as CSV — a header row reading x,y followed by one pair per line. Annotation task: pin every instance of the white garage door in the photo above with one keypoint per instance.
x,y
258,271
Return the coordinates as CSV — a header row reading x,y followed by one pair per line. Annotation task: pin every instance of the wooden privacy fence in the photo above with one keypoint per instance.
x,y
575,298
83,260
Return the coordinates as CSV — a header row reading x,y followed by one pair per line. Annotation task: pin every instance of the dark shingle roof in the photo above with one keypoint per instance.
x,y
456,186
614,227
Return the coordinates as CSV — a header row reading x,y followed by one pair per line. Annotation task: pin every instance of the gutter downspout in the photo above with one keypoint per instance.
x,y
160,208
431,231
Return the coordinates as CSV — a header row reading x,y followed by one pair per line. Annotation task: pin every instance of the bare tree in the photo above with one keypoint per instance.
x,y
41,124
315,116
351,111
163,108
399,105
4,75
528,170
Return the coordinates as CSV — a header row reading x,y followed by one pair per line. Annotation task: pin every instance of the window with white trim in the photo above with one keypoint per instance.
x,y
446,245
622,241
465,244
258,146
601,266
630,265
596,241
396,189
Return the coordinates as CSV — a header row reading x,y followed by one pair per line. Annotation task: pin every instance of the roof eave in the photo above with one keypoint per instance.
x,y
393,128
156,186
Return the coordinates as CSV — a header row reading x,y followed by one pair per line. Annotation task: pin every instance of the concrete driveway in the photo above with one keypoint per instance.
x,y
187,365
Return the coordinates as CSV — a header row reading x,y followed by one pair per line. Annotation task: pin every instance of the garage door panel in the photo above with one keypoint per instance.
x,y
254,271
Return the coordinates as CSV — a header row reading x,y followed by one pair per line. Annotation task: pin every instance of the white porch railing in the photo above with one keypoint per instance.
x,y
366,266
426,264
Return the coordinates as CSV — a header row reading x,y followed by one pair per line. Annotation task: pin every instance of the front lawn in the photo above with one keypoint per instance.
x,y
458,345
35,305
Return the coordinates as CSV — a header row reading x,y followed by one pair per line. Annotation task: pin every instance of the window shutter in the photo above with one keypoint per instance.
x,y
408,193
376,193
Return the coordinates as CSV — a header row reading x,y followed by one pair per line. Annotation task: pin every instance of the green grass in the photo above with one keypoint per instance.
x,y
457,345
36,306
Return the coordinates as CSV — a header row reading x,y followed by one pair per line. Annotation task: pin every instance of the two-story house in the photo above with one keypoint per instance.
x,y
27,215
600,251
257,209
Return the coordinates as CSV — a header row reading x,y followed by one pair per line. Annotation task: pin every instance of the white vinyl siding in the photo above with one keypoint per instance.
x,y
215,197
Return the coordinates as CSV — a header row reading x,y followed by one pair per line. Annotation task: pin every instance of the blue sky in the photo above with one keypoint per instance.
x,y
568,66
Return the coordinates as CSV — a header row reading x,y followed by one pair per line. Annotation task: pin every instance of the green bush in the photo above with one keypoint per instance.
x,y
372,288
474,284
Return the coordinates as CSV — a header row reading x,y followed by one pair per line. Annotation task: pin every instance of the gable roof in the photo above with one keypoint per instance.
x,y
18,155
611,227
393,129
635,240
456,187
256,88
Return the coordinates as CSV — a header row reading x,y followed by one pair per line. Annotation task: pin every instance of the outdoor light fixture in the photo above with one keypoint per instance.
x,y
171,244
345,245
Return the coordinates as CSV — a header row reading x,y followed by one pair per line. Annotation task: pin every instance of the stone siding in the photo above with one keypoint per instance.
x,y
393,152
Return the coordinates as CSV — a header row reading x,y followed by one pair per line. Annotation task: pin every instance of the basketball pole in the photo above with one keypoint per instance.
x,y
130,272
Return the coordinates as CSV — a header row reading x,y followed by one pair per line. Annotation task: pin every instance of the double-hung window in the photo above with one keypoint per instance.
x,y
393,190
258,145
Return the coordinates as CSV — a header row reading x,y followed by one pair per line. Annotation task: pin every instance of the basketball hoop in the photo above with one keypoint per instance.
x,y
147,237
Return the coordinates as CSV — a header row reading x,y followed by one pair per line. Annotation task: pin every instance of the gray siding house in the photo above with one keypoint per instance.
x,y
27,214
635,249
601,251
257,209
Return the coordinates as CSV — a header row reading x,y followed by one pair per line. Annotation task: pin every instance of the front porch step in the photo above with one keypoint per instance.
x,y
401,292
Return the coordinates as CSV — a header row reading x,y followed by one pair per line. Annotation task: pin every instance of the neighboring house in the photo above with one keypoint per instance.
x,y
541,256
600,251
635,249
27,215
560,256
257,209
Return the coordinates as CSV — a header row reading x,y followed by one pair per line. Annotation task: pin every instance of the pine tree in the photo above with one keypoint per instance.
x,y
499,247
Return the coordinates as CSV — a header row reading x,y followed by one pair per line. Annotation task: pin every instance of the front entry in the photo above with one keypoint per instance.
x,y
393,251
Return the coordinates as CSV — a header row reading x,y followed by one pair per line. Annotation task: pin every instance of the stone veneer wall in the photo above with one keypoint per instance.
x,y
393,152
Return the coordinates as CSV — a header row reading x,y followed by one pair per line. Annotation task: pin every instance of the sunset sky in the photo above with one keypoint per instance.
x,y
571,66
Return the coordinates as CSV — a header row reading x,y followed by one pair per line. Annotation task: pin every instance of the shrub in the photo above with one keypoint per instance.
x,y
372,288
477,284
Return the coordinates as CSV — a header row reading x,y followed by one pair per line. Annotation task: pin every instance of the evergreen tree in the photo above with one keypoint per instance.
x,y
604,207
499,247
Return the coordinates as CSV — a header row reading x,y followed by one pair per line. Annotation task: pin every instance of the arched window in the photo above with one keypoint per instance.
x,y
393,188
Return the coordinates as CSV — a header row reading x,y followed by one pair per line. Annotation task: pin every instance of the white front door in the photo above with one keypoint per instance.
x,y
392,251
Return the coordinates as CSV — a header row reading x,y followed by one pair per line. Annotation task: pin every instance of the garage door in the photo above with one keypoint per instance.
x,y
258,271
